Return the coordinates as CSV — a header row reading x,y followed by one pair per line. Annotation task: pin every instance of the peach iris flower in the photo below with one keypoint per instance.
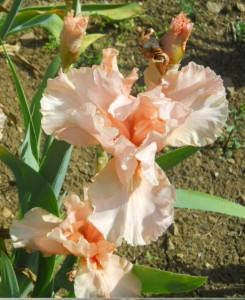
x,y
99,273
2,119
132,196
71,38
93,106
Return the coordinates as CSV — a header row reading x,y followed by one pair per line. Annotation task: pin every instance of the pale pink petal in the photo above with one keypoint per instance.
x,y
130,80
201,92
74,206
203,126
116,280
76,233
2,119
109,61
192,85
146,155
109,64
79,101
137,211
123,106
77,125
145,119
124,152
77,248
32,232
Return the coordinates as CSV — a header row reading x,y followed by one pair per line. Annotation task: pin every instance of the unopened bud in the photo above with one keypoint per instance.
x,y
173,42
71,38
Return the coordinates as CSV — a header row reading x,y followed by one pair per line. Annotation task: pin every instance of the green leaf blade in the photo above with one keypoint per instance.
x,y
9,285
89,39
161,282
35,104
60,279
50,22
29,147
25,260
9,19
172,158
118,11
44,283
20,94
55,164
33,189
203,201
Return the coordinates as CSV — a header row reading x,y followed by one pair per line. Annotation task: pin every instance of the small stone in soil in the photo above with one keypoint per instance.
x,y
170,245
6,213
209,266
174,229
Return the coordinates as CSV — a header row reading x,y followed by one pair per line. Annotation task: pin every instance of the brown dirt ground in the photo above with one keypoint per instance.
x,y
199,243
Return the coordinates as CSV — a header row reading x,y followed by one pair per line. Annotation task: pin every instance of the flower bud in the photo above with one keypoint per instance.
x,y
71,38
173,42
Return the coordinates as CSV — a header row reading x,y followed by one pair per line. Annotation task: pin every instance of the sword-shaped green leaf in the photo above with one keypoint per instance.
x,y
33,189
156,281
116,11
170,159
9,286
4,29
203,201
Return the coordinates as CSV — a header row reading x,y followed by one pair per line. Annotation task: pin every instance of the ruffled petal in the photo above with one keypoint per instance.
x,y
203,126
123,106
76,208
146,155
109,61
77,248
129,81
32,232
124,152
79,100
80,126
144,210
109,64
115,280
202,94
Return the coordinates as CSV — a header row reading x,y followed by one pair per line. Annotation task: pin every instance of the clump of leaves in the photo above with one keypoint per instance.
x,y
88,58
231,139
191,8
240,29
51,44
188,7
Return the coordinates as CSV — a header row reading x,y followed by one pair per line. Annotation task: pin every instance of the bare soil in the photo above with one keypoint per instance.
x,y
198,243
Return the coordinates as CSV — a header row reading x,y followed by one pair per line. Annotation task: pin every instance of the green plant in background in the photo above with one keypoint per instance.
x,y
231,140
88,58
240,29
192,11
52,43
188,6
